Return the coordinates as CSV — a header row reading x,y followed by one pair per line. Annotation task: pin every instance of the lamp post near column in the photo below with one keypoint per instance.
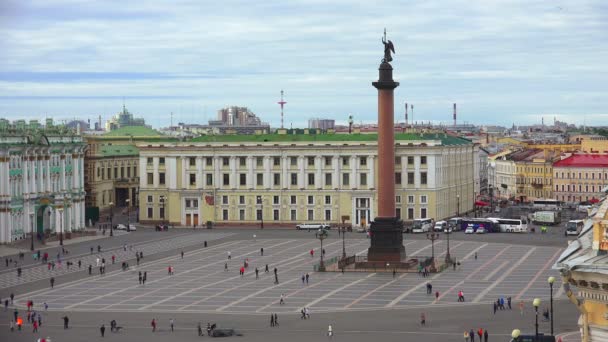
x,y
433,236
551,280
536,304
321,235
343,229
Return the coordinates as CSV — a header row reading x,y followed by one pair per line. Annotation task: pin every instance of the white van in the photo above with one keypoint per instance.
x,y
422,225
574,227
440,226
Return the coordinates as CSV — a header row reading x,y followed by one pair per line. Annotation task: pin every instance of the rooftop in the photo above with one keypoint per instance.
x,y
445,139
118,150
136,131
584,160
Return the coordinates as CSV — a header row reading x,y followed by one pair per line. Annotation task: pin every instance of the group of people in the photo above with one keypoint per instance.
x,y
499,304
469,336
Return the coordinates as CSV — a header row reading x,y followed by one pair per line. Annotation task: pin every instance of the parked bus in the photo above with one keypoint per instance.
x,y
547,204
422,225
475,223
512,225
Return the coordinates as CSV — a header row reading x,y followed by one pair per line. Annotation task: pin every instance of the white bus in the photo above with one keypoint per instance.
x,y
422,225
510,225
547,204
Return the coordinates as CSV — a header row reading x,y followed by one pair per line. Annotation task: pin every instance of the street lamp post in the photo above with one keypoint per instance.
x,y
448,257
162,202
321,235
137,205
128,214
343,229
61,226
551,280
515,335
111,218
536,304
32,240
261,203
432,236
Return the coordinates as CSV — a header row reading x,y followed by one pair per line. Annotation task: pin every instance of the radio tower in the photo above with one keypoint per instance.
x,y
282,103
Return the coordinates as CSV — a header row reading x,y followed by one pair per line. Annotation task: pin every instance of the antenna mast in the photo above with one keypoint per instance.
x,y
282,103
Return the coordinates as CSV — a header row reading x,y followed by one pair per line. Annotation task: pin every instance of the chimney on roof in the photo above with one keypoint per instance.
x,y
454,115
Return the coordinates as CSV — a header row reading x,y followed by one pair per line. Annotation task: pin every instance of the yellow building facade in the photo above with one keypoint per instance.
x,y
534,177
584,265
289,179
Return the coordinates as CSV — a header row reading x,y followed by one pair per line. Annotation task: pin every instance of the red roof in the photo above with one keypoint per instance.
x,y
583,160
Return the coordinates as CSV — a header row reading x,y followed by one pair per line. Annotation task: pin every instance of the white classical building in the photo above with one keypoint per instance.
x,y
286,179
41,180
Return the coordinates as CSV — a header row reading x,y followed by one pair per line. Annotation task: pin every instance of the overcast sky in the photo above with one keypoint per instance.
x,y
503,62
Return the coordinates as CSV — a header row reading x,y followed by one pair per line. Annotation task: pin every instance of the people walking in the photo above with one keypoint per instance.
x,y
171,323
509,302
226,267
460,296
66,322
199,329
521,307
495,307
308,276
475,255
52,282
182,254
422,319
262,251
472,335
282,300
272,320
480,333
330,331
229,255
153,324
140,278
276,320
485,335
257,276
436,295
102,330
266,269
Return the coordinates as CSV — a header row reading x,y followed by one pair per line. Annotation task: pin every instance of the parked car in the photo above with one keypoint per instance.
x,y
440,226
121,226
480,230
469,230
310,226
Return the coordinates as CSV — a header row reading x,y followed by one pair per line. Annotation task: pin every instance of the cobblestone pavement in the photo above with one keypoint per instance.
x,y
201,283
34,273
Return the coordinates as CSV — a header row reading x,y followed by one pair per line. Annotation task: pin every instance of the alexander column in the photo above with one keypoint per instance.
x,y
386,229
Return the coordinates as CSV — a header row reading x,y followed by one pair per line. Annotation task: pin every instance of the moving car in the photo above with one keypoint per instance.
x,y
310,226
121,226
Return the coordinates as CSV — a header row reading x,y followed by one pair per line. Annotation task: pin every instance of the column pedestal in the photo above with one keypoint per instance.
x,y
386,240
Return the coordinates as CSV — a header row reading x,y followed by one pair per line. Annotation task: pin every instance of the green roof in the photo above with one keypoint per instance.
x,y
118,150
445,139
136,131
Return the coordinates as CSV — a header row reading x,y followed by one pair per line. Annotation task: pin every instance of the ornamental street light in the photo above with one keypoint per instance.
x,y
260,201
321,235
61,226
111,218
162,202
432,236
536,304
343,229
551,280
448,257
32,240
128,215
515,335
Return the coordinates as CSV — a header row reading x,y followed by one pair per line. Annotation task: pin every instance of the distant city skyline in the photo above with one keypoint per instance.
x,y
502,62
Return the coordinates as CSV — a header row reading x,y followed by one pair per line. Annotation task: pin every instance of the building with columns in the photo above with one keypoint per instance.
x,y
41,180
294,178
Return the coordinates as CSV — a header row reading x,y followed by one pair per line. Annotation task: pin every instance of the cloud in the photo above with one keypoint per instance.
x,y
497,59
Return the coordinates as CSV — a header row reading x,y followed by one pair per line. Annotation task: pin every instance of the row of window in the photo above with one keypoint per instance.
x,y
193,202
276,179
293,161
119,172
572,175
293,214
580,188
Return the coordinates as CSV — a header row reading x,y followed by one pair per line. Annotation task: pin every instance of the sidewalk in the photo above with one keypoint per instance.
x,y
24,245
